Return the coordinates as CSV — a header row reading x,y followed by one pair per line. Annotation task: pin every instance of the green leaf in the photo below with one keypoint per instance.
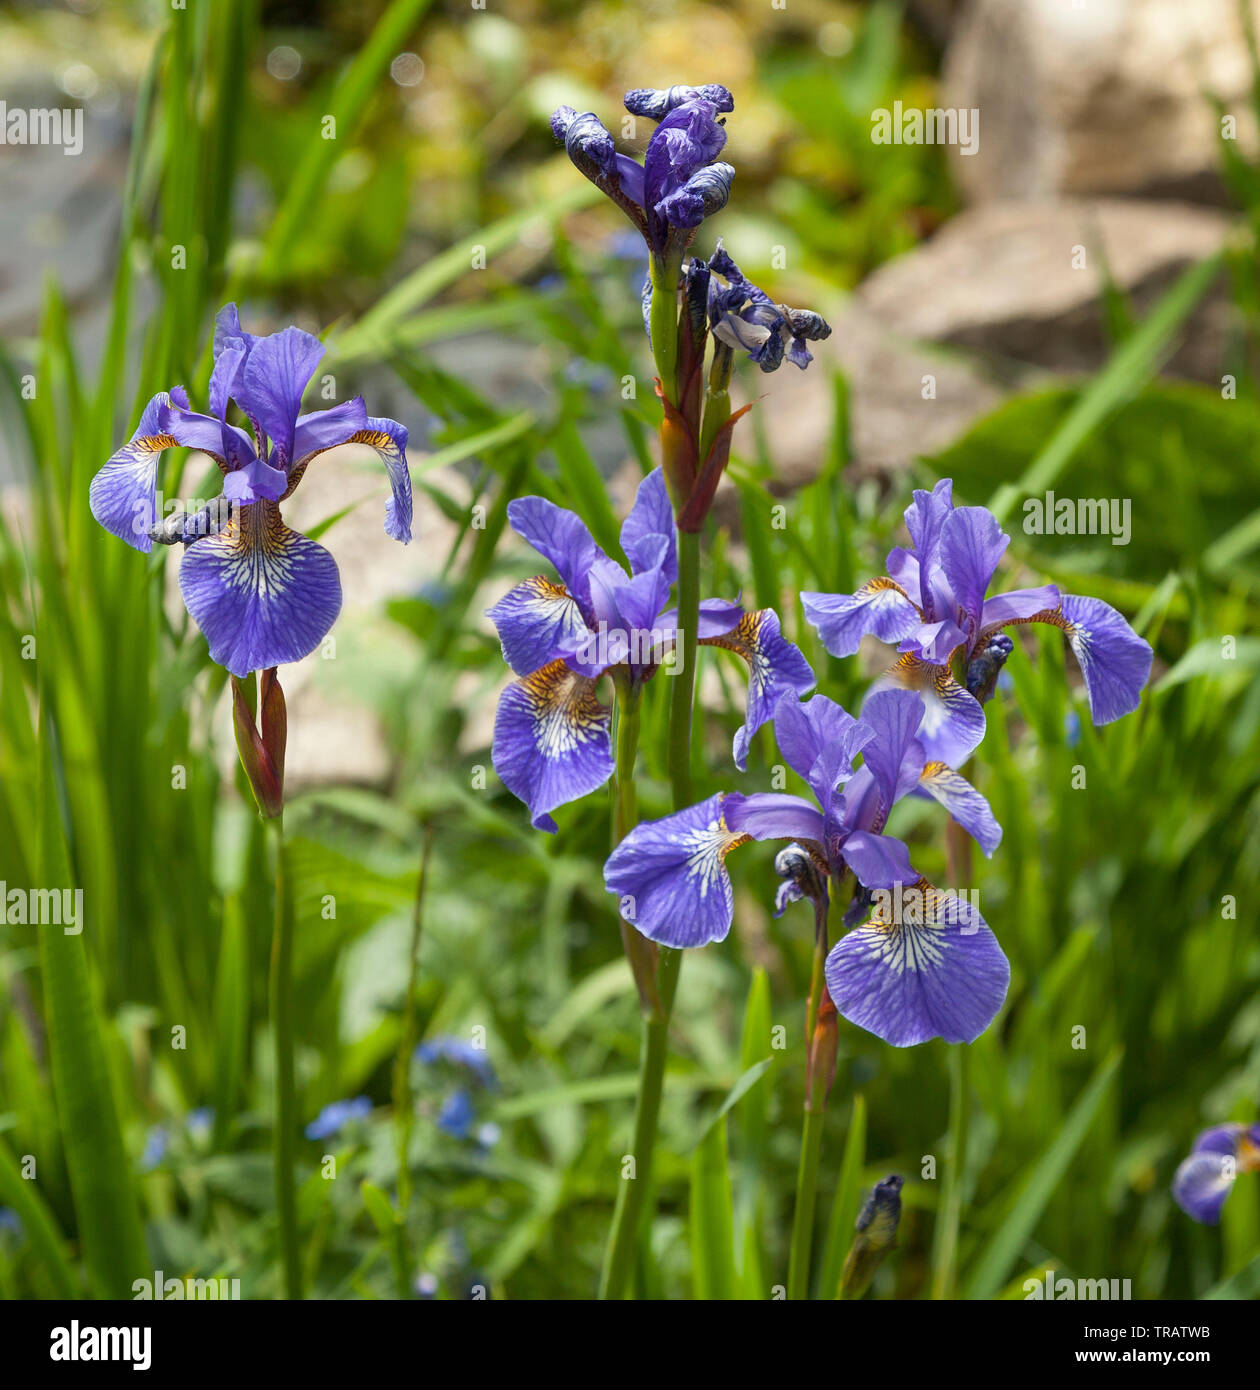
x,y
1038,1186
712,1217
37,1221
100,1177
380,1209
844,1206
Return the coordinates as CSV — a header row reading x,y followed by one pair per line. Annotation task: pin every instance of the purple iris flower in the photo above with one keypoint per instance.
x,y
262,594
1204,1180
680,182
934,970
551,735
933,602
746,318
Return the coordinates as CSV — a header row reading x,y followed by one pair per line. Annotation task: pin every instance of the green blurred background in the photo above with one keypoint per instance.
x,y
468,282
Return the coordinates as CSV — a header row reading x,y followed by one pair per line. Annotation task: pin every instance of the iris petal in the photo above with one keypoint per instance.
x,y
964,803
880,607
271,382
1114,660
805,730
1201,1184
123,495
537,622
560,536
262,594
671,877
551,740
651,517
775,668
909,981
953,721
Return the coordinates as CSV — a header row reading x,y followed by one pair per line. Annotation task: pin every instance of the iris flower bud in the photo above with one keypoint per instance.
x,y
876,1235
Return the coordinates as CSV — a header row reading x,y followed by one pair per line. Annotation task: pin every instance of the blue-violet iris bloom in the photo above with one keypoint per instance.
x,y
1205,1179
552,740
933,602
262,594
680,181
907,976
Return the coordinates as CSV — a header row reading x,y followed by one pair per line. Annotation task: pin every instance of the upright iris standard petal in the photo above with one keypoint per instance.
x,y
881,607
964,803
806,730
271,382
123,495
538,622
559,536
775,668
919,970
262,594
551,740
651,517
894,757
953,721
670,876
972,544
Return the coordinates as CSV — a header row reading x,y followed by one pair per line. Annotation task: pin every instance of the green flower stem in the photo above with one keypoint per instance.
x,y
817,1083
945,1245
945,1255
404,1108
625,816
631,1197
683,677
286,1117
663,320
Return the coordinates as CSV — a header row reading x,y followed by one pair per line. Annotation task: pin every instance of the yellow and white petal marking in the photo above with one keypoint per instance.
x,y
122,494
953,721
262,594
706,850
564,710
745,640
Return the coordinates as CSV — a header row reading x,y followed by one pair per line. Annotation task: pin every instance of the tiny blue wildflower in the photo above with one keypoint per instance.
x,y
156,1143
199,1122
333,1118
447,1048
457,1114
